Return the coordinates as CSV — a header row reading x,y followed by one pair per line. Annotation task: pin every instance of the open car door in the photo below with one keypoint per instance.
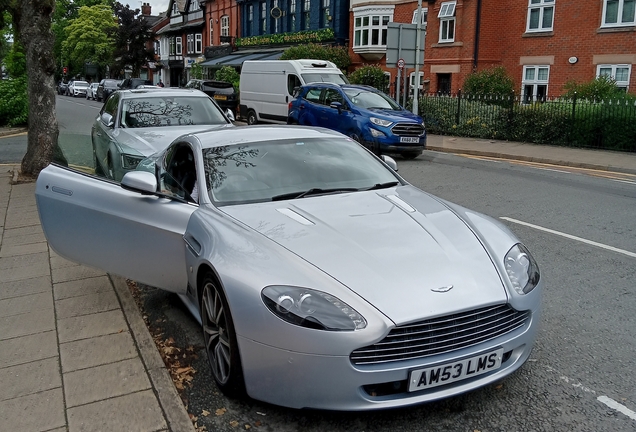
x,y
100,224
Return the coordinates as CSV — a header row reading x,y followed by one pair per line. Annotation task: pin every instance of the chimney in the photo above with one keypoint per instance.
x,y
145,9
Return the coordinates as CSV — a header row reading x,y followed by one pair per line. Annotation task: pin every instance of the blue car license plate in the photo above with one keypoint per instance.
x,y
410,140
422,379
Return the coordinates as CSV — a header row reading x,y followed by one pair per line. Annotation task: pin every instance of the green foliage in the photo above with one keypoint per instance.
x,y
15,61
88,38
493,81
338,55
228,74
196,71
372,76
602,87
131,37
14,105
305,36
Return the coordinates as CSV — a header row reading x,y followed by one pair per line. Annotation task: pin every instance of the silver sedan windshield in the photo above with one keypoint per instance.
x,y
169,111
287,169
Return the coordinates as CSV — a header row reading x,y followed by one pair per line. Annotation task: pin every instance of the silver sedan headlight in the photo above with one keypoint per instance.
x,y
130,162
311,308
380,122
522,269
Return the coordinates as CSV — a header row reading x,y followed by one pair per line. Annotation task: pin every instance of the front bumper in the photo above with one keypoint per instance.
x,y
390,143
300,380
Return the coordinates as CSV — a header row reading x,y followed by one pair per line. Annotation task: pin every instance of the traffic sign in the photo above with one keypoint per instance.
x,y
400,63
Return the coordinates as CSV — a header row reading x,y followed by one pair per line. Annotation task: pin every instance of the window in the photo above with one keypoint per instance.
x,y
618,13
178,46
619,73
172,49
535,83
326,14
540,15
225,25
198,43
306,14
424,17
292,15
211,31
190,43
370,27
157,48
447,22
250,20
412,82
263,18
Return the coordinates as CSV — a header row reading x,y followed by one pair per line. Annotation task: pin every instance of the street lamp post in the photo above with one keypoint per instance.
x,y
418,36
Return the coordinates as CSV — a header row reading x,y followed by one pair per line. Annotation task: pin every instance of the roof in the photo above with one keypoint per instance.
x,y
259,133
159,92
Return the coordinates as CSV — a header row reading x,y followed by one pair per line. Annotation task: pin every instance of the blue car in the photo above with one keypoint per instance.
x,y
365,114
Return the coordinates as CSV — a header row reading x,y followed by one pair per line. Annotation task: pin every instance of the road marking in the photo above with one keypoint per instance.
x,y
571,237
549,169
616,406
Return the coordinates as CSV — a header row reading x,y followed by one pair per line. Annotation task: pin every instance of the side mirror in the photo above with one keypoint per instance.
x,y
108,120
390,162
230,114
140,181
336,105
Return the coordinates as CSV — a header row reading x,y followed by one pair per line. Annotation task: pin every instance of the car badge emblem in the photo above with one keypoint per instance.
x,y
442,289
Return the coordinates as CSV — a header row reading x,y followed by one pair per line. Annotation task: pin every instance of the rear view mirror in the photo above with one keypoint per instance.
x,y
390,162
230,114
108,120
140,181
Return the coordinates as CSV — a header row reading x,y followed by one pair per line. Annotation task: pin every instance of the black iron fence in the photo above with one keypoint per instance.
x,y
605,124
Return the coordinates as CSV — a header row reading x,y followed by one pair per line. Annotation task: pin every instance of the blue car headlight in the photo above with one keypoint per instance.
x,y
380,122
522,269
311,308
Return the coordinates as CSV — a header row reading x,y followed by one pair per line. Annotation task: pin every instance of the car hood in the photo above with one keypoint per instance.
x,y
395,116
400,256
147,141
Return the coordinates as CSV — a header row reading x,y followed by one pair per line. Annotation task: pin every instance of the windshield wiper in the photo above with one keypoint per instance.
x,y
382,185
312,191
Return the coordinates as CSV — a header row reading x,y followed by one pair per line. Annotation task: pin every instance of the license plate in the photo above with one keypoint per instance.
x,y
422,379
220,97
410,140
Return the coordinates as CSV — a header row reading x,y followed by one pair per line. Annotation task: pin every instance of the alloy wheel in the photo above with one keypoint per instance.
x,y
216,333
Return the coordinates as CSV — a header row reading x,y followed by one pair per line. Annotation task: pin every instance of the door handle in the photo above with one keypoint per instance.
x,y
192,244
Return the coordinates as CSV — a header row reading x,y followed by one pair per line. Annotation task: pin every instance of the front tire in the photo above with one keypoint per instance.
x,y
220,339
251,117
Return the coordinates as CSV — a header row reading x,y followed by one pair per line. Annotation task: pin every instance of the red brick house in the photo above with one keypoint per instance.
x,y
543,44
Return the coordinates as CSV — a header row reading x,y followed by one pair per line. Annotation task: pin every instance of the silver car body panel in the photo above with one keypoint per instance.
x,y
383,252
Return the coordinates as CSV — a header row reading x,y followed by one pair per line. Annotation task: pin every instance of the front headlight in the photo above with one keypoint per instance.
x,y
522,269
311,308
380,122
130,161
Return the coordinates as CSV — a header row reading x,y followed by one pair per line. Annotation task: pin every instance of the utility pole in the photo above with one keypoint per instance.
x,y
418,36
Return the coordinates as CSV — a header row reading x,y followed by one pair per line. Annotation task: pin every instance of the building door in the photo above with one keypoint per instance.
x,y
444,83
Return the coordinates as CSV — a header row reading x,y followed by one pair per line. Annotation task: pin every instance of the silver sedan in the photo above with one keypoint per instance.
x,y
321,278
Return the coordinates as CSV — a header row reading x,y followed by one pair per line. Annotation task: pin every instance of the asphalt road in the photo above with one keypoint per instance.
x,y
582,373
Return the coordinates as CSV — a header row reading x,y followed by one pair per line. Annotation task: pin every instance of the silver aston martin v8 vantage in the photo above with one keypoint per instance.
x,y
321,278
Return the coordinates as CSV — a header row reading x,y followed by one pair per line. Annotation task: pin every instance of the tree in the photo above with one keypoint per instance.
x,y
32,24
490,82
90,37
130,40
370,75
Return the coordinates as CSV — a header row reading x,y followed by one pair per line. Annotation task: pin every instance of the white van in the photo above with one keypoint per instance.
x,y
267,86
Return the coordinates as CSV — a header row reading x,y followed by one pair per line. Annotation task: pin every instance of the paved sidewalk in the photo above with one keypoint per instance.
x,y
75,354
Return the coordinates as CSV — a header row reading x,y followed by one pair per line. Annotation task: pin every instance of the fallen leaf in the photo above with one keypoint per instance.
x,y
248,427
234,423
220,411
257,423
205,413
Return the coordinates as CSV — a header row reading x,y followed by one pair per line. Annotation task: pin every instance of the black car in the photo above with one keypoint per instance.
x,y
133,83
221,91
105,88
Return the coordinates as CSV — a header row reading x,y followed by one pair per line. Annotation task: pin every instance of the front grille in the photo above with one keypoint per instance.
x,y
408,129
441,335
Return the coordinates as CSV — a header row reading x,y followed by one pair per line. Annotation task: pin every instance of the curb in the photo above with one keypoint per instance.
x,y
533,159
176,415
12,131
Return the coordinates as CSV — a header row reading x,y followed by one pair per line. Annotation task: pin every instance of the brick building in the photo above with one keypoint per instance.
x,y
543,44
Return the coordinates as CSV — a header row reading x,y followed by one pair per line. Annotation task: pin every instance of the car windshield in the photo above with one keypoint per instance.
x,y
330,78
370,100
111,83
288,169
169,111
80,84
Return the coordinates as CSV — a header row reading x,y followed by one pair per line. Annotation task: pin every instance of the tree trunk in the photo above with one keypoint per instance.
x,y
32,19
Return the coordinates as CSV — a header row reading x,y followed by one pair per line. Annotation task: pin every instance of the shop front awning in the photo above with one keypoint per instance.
x,y
236,59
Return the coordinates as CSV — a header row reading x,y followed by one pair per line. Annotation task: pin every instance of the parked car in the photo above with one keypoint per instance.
x,y
106,87
77,88
223,92
322,279
91,91
133,83
363,113
133,124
